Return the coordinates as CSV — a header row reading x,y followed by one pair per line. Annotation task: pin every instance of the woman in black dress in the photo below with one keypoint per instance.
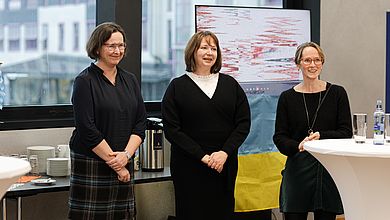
x,y
314,109
110,125
206,118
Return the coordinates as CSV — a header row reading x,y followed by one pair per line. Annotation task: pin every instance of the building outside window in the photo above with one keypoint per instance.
x,y
43,53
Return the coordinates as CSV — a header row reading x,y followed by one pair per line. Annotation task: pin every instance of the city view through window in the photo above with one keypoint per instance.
x,y
42,45
42,48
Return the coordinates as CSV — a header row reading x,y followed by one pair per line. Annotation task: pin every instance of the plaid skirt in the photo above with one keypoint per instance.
x,y
96,193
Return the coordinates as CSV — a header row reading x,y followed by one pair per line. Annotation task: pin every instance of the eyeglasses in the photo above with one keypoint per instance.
x,y
308,61
112,47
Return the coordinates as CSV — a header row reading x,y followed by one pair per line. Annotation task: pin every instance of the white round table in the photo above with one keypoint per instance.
x,y
361,173
10,170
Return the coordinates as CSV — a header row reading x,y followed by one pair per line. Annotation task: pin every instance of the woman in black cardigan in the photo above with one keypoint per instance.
x,y
206,118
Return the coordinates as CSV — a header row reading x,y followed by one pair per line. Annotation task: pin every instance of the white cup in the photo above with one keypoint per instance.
x,y
359,122
63,150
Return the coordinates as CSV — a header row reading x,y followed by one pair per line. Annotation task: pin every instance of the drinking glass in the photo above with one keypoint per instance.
x,y
34,164
360,127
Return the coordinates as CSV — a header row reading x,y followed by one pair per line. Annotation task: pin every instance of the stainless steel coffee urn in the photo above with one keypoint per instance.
x,y
152,150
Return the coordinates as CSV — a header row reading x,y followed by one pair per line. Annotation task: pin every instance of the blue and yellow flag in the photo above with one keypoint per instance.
x,y
259,162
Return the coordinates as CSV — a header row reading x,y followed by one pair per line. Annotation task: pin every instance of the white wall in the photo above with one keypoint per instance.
x,y
353,37
17,141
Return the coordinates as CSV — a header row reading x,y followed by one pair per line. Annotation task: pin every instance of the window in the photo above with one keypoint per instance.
x,y
90,27
31,35
167,25
43,53
14,4
76,36
1,37
2,5
54,2
41,79
39,63
44,36
13,37
169,7
31,4
61,36
144,22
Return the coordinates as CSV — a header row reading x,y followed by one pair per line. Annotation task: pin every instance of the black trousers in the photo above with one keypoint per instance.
x,y
318,215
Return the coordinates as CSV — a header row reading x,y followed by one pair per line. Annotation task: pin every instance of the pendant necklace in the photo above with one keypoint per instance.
x,y
310,131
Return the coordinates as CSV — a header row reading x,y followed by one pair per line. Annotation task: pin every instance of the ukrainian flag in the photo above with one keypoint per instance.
x,y
259,161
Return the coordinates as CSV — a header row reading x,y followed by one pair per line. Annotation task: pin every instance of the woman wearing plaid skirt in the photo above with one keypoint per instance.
x,y
110,121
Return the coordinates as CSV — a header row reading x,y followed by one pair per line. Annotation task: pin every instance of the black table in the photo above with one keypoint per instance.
x,y
62,184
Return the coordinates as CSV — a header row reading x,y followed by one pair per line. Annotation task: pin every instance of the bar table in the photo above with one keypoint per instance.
x,y
361,173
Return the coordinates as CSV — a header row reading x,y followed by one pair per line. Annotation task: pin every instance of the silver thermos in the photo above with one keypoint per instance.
x,y
152,150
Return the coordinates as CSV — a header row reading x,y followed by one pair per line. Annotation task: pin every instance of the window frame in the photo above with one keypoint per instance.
x,y
57,116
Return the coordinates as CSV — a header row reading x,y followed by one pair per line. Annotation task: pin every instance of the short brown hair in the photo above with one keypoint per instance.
x,y
298,53
194,44
100,35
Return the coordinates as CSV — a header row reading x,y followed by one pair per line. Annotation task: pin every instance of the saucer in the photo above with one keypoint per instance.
x,y
43,182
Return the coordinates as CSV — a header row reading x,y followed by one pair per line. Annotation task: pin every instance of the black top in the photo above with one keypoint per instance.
x,y
306,185
198,125
104,111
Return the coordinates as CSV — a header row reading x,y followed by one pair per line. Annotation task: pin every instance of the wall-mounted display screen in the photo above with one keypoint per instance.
x,y
258,44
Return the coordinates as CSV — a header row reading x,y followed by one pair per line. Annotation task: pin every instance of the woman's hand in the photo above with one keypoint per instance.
x,y
119,161
312,136
300,146
217,160
123,175
205,159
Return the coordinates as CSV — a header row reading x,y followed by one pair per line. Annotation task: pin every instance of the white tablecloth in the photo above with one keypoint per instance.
x,y
361,173
348,147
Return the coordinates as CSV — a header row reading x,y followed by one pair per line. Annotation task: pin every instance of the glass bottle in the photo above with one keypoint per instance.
x,y
379,124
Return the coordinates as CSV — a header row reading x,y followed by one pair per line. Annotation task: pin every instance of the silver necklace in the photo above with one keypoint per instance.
x,y
310,131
